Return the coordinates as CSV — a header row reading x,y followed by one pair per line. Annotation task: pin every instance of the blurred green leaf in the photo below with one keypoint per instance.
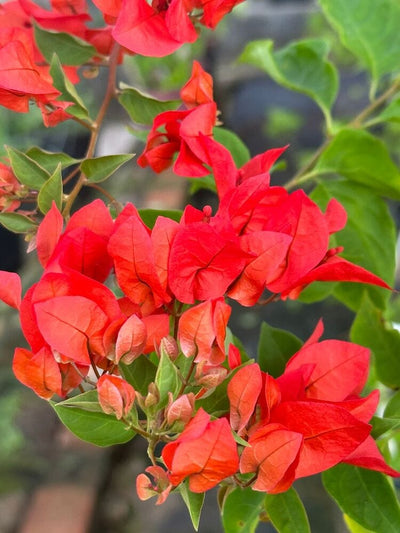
x,y
67,90
368,238
235,145
142,108
286,512
370,30
300,66
369,329
149,216
140,373
17,223
391,113
364,495
70,49
241,510
98,169
89,424
51,191
361,158
275,348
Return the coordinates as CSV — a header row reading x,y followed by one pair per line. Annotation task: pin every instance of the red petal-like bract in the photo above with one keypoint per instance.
x,y
243,392
48,234
330,433
198,89
131,340
132,251
340,369
204,262
273,453
10,288
202,331
38,371
116,396
205,453
367,455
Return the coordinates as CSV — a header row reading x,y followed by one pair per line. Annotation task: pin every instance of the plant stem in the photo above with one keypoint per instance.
x,y
109,95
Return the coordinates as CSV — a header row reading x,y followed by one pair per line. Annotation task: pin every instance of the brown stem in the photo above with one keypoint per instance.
x,y
113,200
109,95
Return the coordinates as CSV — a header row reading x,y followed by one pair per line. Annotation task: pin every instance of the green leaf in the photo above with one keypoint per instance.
x,y
370,30
140,373
99,169
167,379
380,426
28,171
369,329
393,406
194,503
51,191
241,510
365,496
70,49
50,160
17,223
235,145
361,158
275,348
142,108
217,403
89,424
286,512
368,239
149,216
67,90
391,113
301,66
353,526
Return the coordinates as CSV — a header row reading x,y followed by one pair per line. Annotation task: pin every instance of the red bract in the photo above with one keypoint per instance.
x,y
161,487
198,89
205,453
82,246
116,396
202,331
9,188
132,249
183,132
204,260
10,288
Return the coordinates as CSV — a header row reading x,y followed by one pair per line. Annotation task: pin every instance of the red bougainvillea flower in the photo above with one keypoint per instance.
x,y
205,453
202,331
9,188
198,89
82,246
161,486
116,396
159,28
308,419
183,132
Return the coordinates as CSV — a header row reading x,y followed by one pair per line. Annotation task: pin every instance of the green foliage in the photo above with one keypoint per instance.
x,y
141,107
98,169
51,191
287,512
83,416
140,373
300,66
367,497
369,29
194,503
241,510
70,49
275,348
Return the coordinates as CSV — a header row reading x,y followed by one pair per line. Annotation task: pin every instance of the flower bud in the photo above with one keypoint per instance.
x,y
181,409
161,487
153,396
169,346
210,376
116,396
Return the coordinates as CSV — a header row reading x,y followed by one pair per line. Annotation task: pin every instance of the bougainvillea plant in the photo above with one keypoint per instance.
x,y
127,328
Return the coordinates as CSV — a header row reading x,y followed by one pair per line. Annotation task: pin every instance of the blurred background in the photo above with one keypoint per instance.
x,y
44,471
